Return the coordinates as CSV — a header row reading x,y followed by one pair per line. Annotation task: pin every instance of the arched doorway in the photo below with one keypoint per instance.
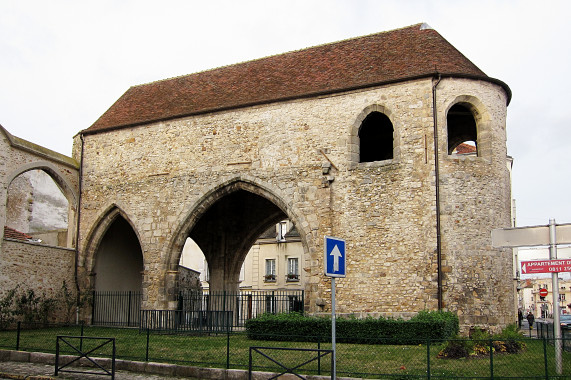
x,y
227,230
226,225
118,260
117,275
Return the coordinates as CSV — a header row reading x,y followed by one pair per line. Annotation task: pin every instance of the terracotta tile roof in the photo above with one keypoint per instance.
x,y
403,54
10,233
465,149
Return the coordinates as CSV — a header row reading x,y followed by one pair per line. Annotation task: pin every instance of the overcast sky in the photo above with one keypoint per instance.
x,y
64,63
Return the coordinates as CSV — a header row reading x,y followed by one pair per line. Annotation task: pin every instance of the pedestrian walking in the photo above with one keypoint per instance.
x,y
519,318
530,319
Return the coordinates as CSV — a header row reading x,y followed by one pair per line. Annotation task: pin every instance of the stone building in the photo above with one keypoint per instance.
x,y
355,139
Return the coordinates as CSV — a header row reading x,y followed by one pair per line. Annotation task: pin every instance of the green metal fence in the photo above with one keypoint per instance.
x,y
490,358
546,330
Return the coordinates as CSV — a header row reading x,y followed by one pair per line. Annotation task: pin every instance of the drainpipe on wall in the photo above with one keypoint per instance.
x,y
437,77
78,298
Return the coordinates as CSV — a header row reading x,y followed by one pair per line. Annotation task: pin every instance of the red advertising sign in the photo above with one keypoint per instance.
x,y
545,266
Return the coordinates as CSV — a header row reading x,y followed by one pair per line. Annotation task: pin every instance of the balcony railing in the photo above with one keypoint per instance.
x,y
291,277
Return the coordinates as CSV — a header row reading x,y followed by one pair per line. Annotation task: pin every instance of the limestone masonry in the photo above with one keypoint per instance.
x,y
417,225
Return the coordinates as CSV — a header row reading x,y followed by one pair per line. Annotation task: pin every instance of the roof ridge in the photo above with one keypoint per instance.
x,y
403,54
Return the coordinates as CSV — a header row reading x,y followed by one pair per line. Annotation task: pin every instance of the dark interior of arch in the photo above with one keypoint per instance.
x,y
119,259
461,127
228,229
376,138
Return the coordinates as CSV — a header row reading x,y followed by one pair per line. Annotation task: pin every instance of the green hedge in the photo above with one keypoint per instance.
x,y
296,327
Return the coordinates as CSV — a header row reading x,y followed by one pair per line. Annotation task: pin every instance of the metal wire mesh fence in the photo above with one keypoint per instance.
x,y
546,330
458,359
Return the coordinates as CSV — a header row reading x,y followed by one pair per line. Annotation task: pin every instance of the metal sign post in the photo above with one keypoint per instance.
x,y
556,311
334,261
551,235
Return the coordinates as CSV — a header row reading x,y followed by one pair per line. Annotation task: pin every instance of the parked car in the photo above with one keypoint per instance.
x,y
565,320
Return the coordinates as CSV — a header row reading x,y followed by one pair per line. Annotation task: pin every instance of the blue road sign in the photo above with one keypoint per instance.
x,y
334,250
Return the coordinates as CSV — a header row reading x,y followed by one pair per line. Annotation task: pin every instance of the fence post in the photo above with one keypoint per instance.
x,y
227,347
93,306
81,340
428,359
545,358
147,353
129,310
250,365
57,356
319,356
491,359
18,337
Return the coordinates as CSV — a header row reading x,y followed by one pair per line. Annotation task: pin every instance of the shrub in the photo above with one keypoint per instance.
x,y
456,348
296,327
288,327
24,305
7,309
508,341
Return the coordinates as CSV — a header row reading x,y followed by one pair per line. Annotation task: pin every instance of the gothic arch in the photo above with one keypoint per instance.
x,y
95,236
66,188
222,189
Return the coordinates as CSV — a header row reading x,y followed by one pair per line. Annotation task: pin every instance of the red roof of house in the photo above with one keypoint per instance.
x,y
399,55
466,149
10,233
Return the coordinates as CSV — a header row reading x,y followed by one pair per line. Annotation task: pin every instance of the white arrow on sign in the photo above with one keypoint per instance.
x,y
336,255
523,269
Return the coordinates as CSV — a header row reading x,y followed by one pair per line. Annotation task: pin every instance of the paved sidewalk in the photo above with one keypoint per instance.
x,y
37,371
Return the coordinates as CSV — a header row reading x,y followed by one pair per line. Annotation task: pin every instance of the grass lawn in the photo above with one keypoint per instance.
x,y
357,360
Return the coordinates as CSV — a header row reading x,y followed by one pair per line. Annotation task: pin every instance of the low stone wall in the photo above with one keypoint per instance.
x,y
37,267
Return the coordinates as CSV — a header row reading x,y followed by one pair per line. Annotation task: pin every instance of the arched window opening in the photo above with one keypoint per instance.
x,y
462,131
376,138
37,207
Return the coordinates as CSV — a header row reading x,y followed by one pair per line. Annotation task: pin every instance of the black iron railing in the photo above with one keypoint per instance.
x,y
212,309
112,308
244,305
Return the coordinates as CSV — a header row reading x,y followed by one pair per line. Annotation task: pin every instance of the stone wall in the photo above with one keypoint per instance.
x,y
41,268
161,175
31,266
18,156
189,279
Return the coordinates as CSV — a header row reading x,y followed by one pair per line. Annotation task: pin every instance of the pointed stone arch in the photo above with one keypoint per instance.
x,y
65,186
67,189
190,221
96,235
